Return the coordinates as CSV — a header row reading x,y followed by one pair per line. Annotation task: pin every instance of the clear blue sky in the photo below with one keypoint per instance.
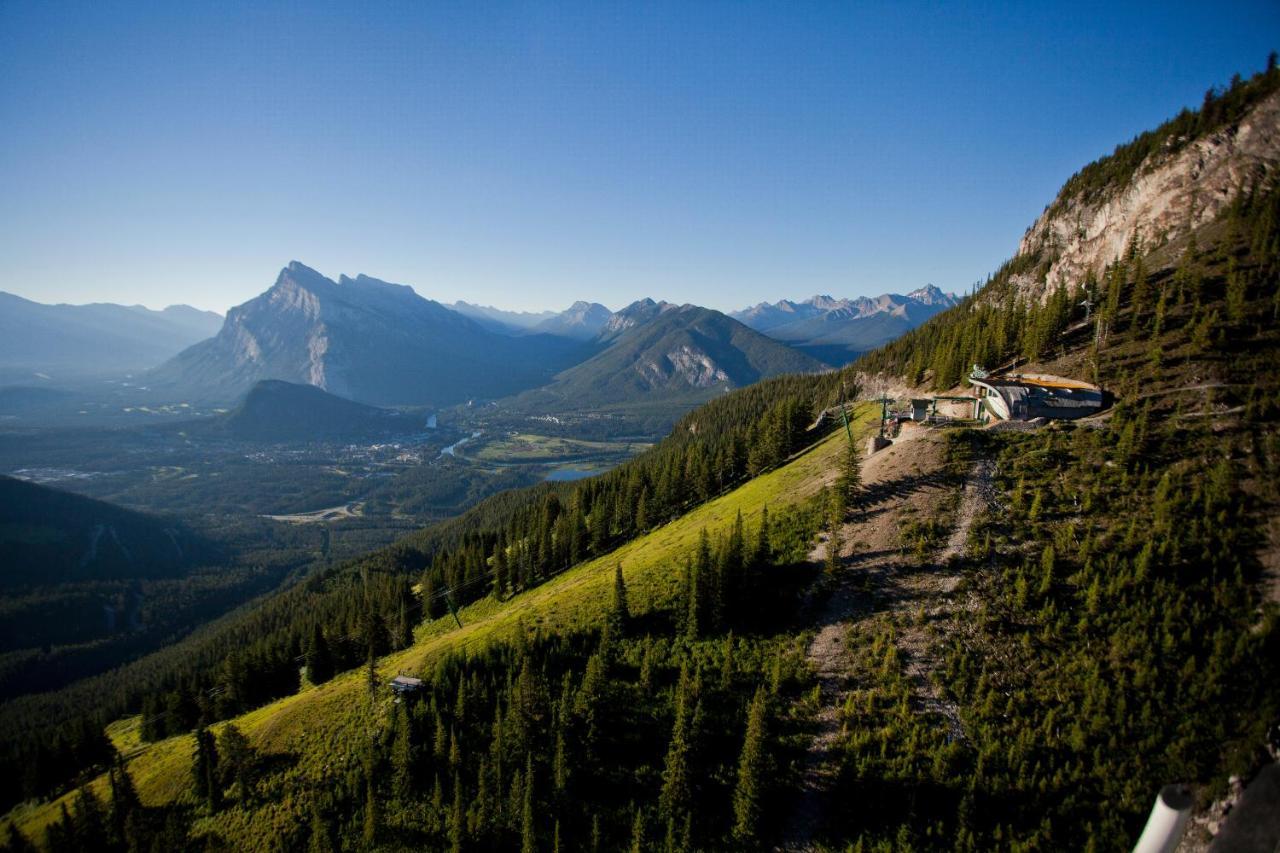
x,y
527,155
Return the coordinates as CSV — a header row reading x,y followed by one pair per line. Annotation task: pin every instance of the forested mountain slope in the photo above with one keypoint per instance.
x,y
88,584
1106,625
662,360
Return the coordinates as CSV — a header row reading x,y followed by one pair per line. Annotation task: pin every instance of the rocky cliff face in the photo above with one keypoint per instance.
x,y
1170,194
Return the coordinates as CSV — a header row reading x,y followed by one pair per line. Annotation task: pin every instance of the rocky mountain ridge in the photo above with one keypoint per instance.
x,y
1189,179
501,320
837,330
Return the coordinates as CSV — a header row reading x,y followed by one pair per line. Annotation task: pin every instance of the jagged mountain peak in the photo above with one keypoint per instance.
x,y
932,295
825,302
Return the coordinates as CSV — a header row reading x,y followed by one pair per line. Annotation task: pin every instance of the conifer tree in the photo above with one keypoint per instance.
x,y
236,760
1047,560
560,763
403,757
457,818
124,801
58,835
204,769
763,549
319,660
637,831
749,793
726,668
849,483
674,800
321,830
500,581
371,672
619,613
17,842
372,812
693,602
402,638
528,829
90,826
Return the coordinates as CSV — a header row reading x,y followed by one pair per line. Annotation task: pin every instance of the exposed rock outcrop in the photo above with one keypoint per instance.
x,y
1172,193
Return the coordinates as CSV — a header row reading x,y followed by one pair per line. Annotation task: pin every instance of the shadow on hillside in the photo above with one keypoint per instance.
x,y
902,487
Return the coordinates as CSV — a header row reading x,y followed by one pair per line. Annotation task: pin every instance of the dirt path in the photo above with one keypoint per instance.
x,y
876,576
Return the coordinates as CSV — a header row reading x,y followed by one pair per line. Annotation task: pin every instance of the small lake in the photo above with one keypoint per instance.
x,y
561,475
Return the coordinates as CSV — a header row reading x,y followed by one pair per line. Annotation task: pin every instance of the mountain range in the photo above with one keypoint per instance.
x,y
93,339
837,330
382,344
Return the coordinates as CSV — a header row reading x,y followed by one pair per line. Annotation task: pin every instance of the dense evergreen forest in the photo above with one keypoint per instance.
x,y
1118,638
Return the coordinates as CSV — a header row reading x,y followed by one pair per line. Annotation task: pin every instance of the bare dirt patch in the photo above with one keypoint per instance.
x,y
878,577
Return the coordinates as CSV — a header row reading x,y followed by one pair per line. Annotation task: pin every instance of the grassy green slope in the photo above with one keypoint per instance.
x,y
321,727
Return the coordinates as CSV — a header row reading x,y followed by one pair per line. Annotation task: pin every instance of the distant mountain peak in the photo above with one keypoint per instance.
x,y
637,313
932,295
825,302
580,321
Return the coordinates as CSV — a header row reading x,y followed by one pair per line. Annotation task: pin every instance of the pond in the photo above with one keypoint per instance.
x,y
561,475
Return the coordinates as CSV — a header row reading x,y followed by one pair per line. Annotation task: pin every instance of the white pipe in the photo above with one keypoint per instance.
x,y
1167,821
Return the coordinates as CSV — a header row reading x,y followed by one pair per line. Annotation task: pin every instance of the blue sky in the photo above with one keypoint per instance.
x,y
527,155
